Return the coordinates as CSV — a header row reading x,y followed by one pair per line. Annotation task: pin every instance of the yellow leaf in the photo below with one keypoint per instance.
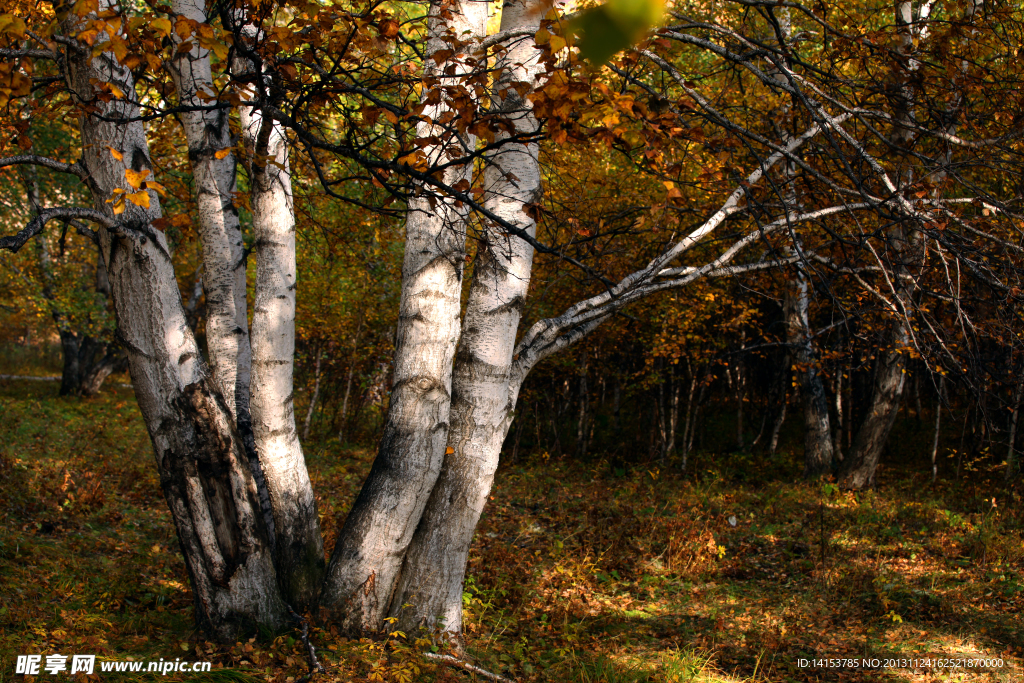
x,y
220,49
162,26
183,27
114,153
116,92
140,199
156,187
135,178
118,208
222,153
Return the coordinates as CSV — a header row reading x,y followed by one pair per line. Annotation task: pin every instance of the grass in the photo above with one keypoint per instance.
x,y
579,572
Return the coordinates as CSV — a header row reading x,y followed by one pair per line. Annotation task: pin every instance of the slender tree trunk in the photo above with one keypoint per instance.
x,y
1012,465
485,383
837,437
673,415
371,546
202,465
688,420
581,424
938,424
342,433
210,154
316,394
299,551
785,380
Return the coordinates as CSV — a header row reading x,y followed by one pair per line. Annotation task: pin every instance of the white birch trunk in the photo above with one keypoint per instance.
x,y
485,384
299,550
370,548
207,133
202,465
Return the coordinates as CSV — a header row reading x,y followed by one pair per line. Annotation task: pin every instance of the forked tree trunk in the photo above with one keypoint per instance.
x,y
368,556
299,548
202,465
484,385
261,396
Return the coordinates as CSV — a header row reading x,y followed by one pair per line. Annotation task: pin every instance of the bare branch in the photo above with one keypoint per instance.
x,y
15,242
76,168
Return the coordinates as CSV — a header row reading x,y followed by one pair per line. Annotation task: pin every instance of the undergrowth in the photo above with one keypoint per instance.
x,y
580,572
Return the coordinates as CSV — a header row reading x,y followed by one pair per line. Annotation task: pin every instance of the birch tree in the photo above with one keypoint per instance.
x,y
203,466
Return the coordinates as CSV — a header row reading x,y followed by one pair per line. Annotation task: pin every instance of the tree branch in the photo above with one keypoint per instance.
x,y
15,242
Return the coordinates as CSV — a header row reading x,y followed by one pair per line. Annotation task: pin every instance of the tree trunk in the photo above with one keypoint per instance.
x,y
859,467
938,425
581,424
202,467
299,549
313,399
343,432
208,135
264,413
1012,465
371,546
818,452
112,359
485,383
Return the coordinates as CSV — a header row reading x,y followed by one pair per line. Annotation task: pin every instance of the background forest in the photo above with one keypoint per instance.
x,y
764,406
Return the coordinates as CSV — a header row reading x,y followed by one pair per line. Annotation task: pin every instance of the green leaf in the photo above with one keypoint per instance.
x,y
614,26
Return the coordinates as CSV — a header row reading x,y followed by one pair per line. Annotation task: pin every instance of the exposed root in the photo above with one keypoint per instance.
x,y
314,664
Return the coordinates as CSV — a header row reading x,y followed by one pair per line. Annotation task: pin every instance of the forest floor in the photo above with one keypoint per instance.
x,y
580,572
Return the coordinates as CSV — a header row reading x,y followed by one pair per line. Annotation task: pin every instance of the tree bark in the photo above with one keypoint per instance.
x,y
368,556
201,462
208,136
485,382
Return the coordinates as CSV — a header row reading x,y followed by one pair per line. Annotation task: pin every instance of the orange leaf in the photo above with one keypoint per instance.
x,y
222,153
135,178
140,199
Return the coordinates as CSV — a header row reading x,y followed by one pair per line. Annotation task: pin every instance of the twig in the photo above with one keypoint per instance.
x,y
455,661
314,664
